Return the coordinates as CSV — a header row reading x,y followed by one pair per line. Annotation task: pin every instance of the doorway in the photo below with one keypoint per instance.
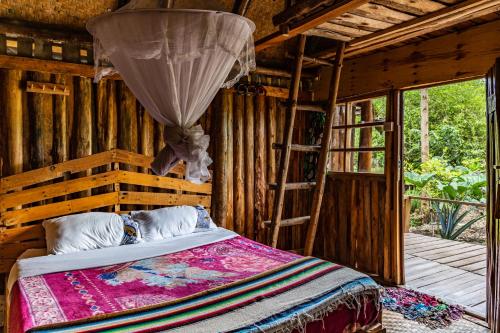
x,y
445,193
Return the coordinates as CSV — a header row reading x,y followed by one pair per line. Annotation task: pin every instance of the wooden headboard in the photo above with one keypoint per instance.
x,y
115,180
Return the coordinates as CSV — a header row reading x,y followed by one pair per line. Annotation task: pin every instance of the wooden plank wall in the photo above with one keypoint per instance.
x,y
352,224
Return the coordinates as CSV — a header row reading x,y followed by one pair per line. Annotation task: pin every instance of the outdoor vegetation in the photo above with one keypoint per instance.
x,y
444,157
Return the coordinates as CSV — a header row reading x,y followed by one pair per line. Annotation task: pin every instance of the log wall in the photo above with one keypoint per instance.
x,y
42,129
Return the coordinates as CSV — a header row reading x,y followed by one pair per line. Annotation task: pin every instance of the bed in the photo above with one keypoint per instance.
x,y
214,281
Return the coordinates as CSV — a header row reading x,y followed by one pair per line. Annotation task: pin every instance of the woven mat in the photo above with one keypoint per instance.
x,y
395,323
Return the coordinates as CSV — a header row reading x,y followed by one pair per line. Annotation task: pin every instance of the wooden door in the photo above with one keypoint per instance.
x,y
493,210
361,216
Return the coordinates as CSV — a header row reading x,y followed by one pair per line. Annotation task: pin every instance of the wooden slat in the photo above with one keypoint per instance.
x,y
420,7
294,186
382,13
343,29
57,209
446,17
135,178
302,148
58,189
14,250
55,171
138,160
291,221
360,22
21,234
296,28
163,199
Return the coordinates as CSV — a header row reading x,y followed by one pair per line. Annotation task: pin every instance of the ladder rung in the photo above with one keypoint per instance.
x,y
296,147
311,108
290,222
294,186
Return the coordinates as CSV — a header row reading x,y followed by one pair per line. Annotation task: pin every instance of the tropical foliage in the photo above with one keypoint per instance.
x,y
456,168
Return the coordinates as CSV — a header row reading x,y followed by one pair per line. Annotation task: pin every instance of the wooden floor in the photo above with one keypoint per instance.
x,y
454,271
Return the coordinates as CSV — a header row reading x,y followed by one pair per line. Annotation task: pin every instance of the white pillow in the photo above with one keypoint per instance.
x,y
165,222
80,232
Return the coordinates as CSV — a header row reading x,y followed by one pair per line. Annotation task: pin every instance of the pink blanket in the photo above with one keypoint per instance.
x,y
68,296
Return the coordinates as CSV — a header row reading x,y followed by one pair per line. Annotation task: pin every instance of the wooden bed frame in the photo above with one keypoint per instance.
x,y
104,181
115,180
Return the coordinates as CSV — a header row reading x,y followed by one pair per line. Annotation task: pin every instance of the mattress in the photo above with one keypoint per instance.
x,y
214,281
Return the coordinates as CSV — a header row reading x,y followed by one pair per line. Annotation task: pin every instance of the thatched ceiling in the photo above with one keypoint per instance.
x,y
75,13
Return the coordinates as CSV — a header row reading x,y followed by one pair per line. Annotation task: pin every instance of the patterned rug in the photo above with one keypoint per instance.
x,y
422,308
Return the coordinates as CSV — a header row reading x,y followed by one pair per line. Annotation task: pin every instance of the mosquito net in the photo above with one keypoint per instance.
x,y
174,61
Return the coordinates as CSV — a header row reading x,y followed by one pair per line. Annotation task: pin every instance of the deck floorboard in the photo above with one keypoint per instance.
x,y
454,271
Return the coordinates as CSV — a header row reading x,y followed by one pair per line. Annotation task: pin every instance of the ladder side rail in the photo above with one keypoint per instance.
x,y
287,144
325,149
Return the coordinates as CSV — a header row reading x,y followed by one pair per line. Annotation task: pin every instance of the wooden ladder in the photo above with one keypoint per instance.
x,y
287,147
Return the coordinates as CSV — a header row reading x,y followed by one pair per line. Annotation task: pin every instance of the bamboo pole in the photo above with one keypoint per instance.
x,y
228,106
249,166
239,164
260,162
323,158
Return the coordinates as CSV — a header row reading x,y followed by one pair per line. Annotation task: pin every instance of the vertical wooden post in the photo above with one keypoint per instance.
x,y
271,157
14,120
42,110
147,144
112,116
228,106
323,157
83,120
249,166
60,124
239,165
260,163
394,189
365,139
101,115
219,198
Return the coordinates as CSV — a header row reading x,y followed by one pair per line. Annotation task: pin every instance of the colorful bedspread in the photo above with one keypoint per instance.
x,y
232,285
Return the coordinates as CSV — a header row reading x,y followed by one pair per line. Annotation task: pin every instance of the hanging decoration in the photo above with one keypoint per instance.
x,y
174,61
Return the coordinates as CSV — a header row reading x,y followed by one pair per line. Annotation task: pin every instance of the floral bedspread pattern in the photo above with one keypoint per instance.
x,y
69,296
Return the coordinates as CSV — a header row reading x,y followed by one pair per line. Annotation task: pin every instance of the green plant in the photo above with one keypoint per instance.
x,y
449,218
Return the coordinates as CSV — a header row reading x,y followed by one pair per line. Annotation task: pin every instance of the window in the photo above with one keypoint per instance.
x,y
358,141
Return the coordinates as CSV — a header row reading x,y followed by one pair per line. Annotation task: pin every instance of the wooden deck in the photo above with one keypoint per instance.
x,y
454,271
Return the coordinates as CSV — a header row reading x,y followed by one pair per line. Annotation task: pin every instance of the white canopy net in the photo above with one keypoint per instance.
x,y
175,61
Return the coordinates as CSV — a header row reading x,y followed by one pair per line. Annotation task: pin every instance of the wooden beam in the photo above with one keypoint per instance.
x,y
52,32
296,28
453,57
443,18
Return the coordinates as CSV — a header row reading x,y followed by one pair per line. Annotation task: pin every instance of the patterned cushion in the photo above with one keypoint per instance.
x,y
131,231
204,221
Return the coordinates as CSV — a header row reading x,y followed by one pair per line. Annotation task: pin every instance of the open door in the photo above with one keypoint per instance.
x,y
493,210
361,217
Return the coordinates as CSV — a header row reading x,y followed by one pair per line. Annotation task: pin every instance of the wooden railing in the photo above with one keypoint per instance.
x,y
407,206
